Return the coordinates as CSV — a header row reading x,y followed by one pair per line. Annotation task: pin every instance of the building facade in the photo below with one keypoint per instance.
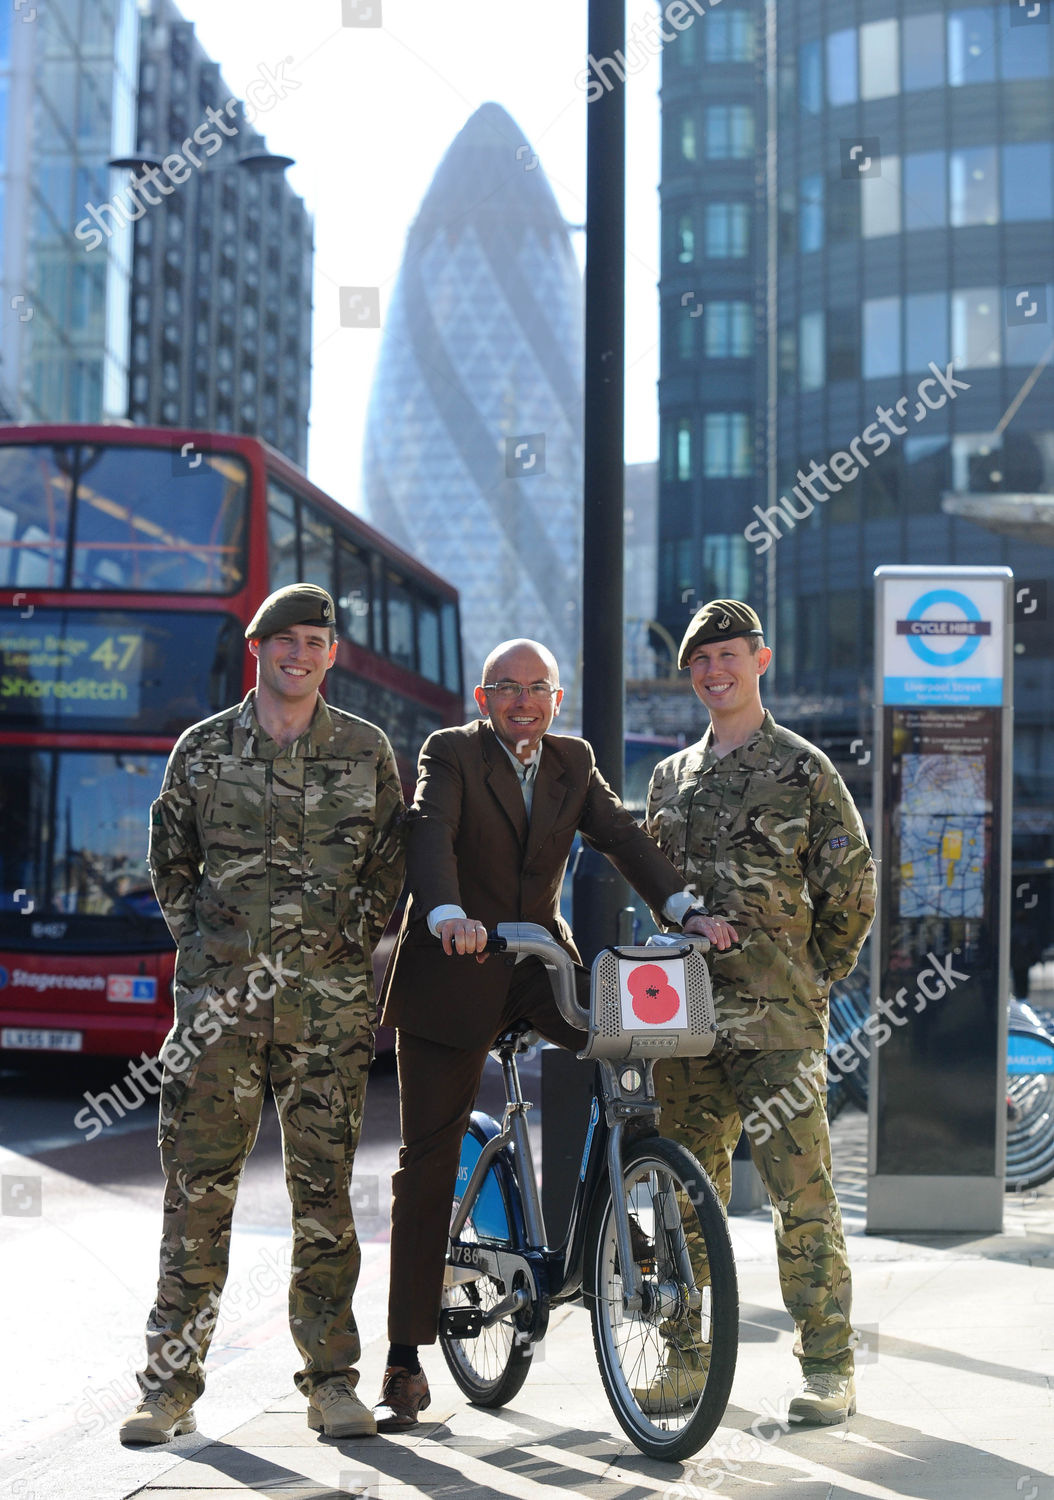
x,y
473,458
221,304
858,200
67,105
177,295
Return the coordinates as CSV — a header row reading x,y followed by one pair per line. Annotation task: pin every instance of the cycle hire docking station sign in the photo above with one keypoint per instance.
x,y
941,956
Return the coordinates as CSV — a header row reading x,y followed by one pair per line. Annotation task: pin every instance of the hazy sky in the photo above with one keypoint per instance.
x,y
373,112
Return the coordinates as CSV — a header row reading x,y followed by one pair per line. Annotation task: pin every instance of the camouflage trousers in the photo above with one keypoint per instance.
x,y
781,1097
210,1114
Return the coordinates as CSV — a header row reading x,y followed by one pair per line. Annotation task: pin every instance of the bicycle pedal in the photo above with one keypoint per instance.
x,y
461,1322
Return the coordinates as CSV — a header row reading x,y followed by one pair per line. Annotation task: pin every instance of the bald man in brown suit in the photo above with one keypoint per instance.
x,y
497,806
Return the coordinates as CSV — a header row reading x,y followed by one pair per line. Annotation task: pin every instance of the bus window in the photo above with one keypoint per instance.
x,y
145,522
428,640
282,563
354,601
400,617
316,549
451,649
34,516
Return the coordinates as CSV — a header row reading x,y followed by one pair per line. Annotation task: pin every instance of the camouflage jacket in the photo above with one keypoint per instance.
x,y
769,837
277,869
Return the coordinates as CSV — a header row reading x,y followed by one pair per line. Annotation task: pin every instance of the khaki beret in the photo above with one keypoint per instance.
x,y
296,604
720,620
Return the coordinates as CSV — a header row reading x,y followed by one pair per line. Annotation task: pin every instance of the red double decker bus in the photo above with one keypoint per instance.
x,y
131,560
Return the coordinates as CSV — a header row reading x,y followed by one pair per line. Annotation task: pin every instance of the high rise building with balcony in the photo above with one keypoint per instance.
x,y
221,305
853,200
473,455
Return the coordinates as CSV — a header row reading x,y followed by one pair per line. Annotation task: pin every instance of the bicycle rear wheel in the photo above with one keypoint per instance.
x,y
491,1367
667,1368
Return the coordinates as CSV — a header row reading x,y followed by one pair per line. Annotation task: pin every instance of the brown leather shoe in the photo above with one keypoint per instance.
x,y
402,1396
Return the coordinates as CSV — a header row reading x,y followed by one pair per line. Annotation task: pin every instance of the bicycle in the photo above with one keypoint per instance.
x,y
647,1243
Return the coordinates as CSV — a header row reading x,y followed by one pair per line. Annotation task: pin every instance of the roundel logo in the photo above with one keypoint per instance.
x,y
964,647
3,978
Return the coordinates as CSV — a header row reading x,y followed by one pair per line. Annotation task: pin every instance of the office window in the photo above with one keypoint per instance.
x,y
684,448
811,371
810,214
726,445
729,330
688,152
1027,179
843,343
677,455
926,330
1024,51
880,200
810,78
729,36
881,337
685,334
684,52
729,132
971,47
973,181
787,360
879,59
975,456
843,208
726,566
922,55
685,239
925,190
841,68
1028,340
975,328
727,231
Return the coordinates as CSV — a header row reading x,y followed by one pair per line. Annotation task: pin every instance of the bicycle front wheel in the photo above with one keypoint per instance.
x,y
667,1367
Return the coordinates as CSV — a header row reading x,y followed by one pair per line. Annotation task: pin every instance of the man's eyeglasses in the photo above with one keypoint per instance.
x,y
507,691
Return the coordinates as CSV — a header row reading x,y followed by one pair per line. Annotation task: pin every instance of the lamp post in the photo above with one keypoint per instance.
x,y
599,894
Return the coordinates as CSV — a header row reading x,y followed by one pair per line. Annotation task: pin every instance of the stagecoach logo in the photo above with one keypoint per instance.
x,y
961,632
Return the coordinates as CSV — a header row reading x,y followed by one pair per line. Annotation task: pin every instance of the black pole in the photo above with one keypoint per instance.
x,y
599,893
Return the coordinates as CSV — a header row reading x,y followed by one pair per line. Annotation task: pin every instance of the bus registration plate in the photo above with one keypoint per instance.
x,y
29,1039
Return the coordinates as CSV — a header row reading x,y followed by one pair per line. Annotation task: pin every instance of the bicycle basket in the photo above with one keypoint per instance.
x,y
650,1002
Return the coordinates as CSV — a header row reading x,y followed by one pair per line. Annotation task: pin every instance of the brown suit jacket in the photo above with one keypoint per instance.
x,y
470,845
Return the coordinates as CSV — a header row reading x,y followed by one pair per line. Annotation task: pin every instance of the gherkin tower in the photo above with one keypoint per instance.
x,y
473,457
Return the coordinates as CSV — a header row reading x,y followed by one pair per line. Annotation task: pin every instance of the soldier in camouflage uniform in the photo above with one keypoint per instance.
x,y
767,836
276,856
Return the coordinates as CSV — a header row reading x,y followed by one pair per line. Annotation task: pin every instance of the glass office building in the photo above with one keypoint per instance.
x,y
473,455
67,104
857,200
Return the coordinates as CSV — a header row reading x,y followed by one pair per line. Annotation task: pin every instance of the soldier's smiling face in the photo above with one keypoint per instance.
x,y
292,663
726,675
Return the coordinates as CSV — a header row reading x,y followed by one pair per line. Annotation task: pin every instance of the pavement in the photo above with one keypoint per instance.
x,y
955,1383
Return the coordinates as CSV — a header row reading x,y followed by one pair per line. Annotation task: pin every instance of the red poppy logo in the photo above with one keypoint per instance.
x,y
653,998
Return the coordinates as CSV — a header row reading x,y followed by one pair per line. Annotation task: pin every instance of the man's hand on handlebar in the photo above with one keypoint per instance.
x,y
463,935
720,931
